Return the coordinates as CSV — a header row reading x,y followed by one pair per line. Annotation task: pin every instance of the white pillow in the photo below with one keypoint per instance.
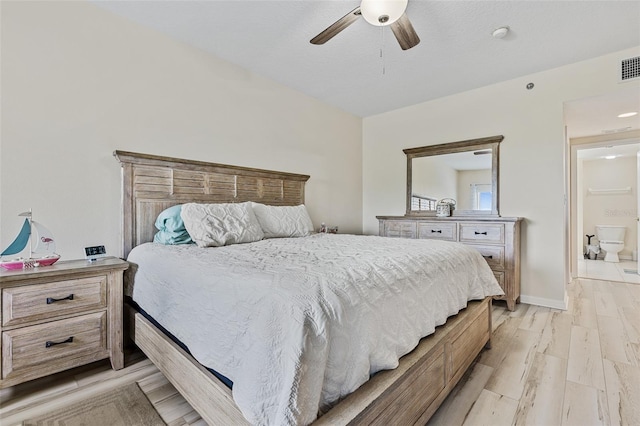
x,y
214,225
283,221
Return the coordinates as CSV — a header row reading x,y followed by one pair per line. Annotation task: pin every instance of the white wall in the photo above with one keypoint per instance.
x,y
532,181
610,209
78,83
432,178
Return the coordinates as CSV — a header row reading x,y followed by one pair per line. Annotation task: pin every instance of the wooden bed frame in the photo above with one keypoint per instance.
x,y
409,394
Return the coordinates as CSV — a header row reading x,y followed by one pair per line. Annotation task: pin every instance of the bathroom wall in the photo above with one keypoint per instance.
x,y
610,209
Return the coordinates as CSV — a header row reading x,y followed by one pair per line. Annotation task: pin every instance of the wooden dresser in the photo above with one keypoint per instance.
x,y
60,316
497,239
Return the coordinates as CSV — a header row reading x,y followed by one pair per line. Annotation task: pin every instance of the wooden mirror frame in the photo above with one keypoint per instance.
x,y
492,142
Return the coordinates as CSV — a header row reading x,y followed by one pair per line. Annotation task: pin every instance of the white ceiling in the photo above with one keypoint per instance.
x,y
599,115
459,161
626,150
457,52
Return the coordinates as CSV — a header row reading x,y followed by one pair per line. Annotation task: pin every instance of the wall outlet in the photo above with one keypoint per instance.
x,y
94,253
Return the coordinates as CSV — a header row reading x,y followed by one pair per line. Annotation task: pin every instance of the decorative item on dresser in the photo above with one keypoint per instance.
x,y
60,316
497,239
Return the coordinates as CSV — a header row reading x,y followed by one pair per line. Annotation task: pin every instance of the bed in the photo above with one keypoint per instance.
x,y
407,394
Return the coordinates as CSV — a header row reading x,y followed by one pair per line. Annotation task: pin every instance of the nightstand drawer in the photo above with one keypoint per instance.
x,y
47,301
482,232
438,230
42,349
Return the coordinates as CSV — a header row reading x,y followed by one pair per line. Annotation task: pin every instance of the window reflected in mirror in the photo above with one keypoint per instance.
x,y
421,203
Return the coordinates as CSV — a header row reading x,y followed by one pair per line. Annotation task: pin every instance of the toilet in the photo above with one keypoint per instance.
x,y
611,240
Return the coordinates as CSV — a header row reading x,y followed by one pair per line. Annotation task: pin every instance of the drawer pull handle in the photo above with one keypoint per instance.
x,y
481,233
439,231
51,300
489,256
49,343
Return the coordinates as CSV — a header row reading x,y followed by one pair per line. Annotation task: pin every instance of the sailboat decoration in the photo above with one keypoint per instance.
x,y
40,242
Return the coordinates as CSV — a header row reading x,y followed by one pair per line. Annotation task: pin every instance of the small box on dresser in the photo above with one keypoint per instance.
x,y
496,238
59,317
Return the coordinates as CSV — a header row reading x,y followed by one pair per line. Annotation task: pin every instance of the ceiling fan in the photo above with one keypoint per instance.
x,y
379,13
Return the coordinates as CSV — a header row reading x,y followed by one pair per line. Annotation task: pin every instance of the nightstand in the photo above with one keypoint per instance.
x,y
59,317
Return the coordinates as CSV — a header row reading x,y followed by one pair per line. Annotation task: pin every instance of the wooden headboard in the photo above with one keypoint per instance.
x,y
151,183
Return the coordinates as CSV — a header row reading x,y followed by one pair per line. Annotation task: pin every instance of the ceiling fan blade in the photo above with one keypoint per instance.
x,y
404,32
336,27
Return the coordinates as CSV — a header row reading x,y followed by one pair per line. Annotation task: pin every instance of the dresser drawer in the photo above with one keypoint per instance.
x,y
400,229
42,349
37,302
482,232
500,278
494,255
438,230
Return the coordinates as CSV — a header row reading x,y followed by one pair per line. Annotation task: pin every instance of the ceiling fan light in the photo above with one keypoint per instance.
x,y
382,12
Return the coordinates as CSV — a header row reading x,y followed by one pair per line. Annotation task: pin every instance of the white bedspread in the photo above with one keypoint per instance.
x,y
298,323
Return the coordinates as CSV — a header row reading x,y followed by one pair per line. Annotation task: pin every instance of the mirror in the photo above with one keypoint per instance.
x,y
465,171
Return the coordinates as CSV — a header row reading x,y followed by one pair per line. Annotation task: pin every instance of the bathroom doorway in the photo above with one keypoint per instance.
x,y
607,194
602,179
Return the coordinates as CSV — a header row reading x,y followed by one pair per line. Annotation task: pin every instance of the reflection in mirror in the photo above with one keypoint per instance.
x,y
463,176
466,172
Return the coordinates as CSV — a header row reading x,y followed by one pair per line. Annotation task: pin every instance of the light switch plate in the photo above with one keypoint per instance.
x,y
94,252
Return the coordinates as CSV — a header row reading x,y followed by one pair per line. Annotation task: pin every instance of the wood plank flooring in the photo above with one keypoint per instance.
x,y
546,367
575,367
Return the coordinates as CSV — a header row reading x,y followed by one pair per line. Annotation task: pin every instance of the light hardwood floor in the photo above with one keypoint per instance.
x,y
546,367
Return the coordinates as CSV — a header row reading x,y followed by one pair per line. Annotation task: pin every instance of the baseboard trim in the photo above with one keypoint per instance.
x,y
547,303
620,256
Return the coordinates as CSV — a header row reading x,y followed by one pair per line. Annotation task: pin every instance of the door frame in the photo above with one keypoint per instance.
x,y
573,145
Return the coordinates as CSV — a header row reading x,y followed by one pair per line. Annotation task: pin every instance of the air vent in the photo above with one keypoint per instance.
x,y
630,69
